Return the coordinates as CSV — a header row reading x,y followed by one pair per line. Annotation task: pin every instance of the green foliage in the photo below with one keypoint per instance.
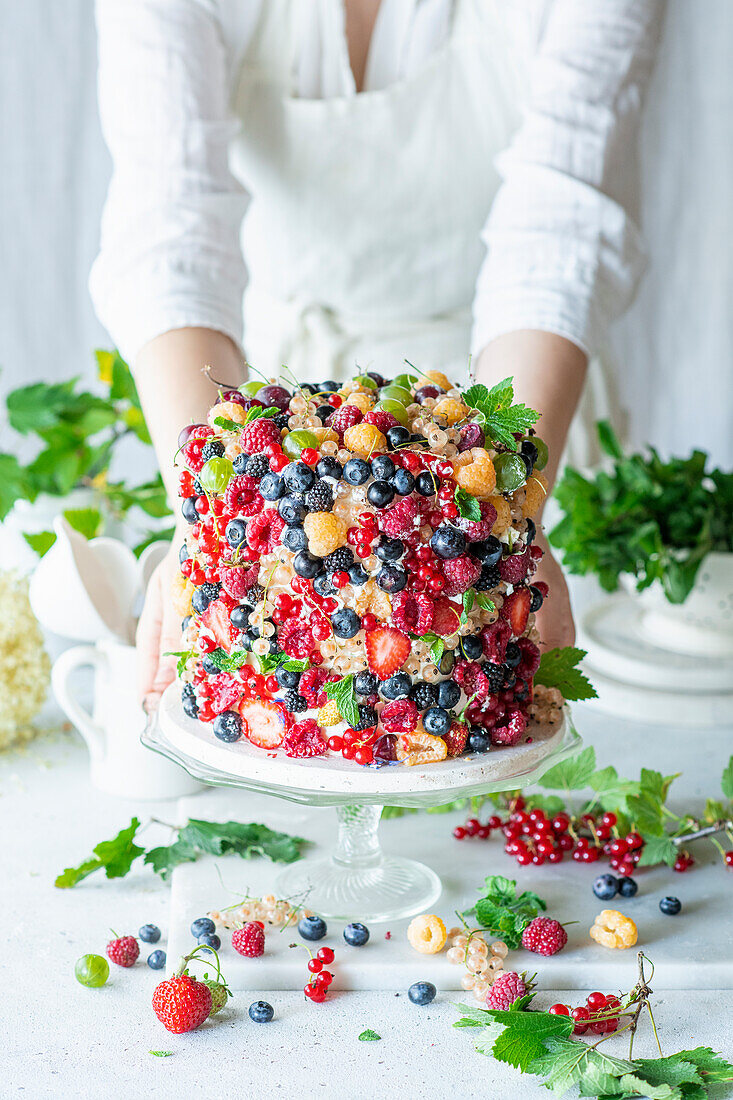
x,y
115,856
343,694
503,912
500,417
558,669
468,507
651,519
369,1036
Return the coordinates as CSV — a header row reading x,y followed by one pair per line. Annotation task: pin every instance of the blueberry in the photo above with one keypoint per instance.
x,y
670,906
323,412
436,721
253,633
208,665
329,467
272,487
188,701
448,542
307,565
478,740
403,482
260,1011
322,585
358,575
292,510
422,993
227,726
239,616
295,538
298,477
471,647
201,925
380,494
312,928
346,623
356,935
327,387
149,933
489,551
531,533
391,578
448,694
426,484
209,939
389,549
236,532
605,887
287,679
356,472
513,655
396,687
156,960
397,436
423,694
382,468
240,463
627,887
365,683
183,554
204,595
536,598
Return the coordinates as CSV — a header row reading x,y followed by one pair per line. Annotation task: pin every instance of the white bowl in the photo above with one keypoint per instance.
x,y
703,624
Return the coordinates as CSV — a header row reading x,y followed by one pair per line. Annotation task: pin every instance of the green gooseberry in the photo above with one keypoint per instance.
x,y
398,410
365,380
511,472
215,474
251,388
404,380
91,971
396,393
542,452
295,442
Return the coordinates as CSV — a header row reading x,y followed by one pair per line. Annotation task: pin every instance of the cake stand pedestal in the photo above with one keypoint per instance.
x,y
357,879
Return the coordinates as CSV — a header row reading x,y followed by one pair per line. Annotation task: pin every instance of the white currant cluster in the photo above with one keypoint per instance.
x,y
267,909
483,962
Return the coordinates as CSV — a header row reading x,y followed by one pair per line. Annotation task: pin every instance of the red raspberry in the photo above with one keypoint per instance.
x,y
512,730
460,574
344,418
495,639
412,612
400,716
473,681
259,435
240,495
530,658
264,531
296,638
544,936
398,520
236,580
382,420
250,940
456,738
310,685
123,951
181,1003
304,739
475,530
507,989
193,447
514,568
224,692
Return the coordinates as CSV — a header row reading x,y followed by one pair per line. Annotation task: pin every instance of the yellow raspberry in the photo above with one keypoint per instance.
x,y
325,532
450,409
613,929
329,714
364,440
181,593
377,601
478,477
535,494
419,747
427,934
229,410
503,519
438,378
363,400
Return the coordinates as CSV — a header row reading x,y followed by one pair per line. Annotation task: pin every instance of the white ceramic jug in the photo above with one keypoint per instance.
x,y
120,765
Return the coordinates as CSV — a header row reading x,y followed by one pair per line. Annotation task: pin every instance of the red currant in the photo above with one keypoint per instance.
x,y
559,1010
609,819
596,1001
340,579
324,979
314,965
326,954
315,993
334,400
580,1017
728,857
271,684
364,755
472,826
460,833
309,455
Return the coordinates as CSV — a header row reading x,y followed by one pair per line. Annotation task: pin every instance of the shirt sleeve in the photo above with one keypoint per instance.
x,y
170,254
563,253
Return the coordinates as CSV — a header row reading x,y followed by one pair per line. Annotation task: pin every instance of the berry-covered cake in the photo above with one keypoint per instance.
x,y
357,575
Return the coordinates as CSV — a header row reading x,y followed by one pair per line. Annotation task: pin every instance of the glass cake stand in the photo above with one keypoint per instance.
x,y
357,879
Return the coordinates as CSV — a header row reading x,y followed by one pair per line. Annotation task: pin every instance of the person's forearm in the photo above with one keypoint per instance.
x,y
548,371
174,391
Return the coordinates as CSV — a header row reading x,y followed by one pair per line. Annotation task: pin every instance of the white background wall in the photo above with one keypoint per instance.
x,y
674,350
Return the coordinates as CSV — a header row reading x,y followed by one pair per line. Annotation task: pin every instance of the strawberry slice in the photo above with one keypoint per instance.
x,y
216,619
264,723
446,618
515,610
387,649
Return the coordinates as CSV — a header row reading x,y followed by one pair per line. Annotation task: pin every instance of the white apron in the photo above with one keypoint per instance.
x,y
362,239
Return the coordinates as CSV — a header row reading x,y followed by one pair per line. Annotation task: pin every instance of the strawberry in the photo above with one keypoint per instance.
x,y
264,723
412,612
456,738
515,610
387,649
181,1003
446,617
216,619
123,951
303,740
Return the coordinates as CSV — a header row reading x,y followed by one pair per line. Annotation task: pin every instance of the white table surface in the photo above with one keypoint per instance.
x,y
61,1040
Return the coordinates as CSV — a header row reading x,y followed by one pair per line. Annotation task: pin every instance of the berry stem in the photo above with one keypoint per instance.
x,y
709,830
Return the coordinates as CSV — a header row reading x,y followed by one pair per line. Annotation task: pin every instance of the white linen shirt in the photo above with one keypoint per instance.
x,y
563,252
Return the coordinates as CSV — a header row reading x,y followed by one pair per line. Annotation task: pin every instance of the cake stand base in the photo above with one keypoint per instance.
x,y
358,878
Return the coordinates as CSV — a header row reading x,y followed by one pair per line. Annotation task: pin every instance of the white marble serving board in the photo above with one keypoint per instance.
x,y
690,949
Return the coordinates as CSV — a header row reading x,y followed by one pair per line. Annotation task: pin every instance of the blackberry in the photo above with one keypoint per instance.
x,y
212,449
198,488
340,560
281,420
319,498
495,675
295,703
258,465
254,594
367,717
490,578
424,695
365,683
205,595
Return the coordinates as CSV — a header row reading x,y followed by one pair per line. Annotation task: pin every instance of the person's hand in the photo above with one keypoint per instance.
x,y
555,617
158,631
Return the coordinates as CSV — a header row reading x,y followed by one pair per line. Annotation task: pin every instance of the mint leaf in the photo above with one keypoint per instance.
x,y
227,424
161,1053
369,1036
294,665
435,644
183,658
228,662
500,417
343,694
503,912
572,774
256,413
726,780
484,602
41,541
115,856
468,507
558,670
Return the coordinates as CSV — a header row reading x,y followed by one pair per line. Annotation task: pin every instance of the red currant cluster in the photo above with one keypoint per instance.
x,y
600,1014
320,979
534,838
361,745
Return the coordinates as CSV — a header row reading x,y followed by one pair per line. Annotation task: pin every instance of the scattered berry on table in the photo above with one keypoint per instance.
x,y
149,933
670,906
613,929
312,928
91,971
261,1012
606,887
182,1003
627,887
427,934
506,989
249,940
356,935
544,936
210,939
201,925
156,960
123,951
422,993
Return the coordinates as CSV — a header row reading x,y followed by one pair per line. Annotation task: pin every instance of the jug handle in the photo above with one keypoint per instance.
x,y
65,665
